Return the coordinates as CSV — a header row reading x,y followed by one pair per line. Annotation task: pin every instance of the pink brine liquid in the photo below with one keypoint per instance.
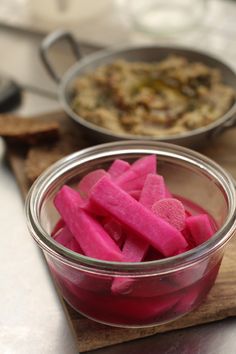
x,y
142,301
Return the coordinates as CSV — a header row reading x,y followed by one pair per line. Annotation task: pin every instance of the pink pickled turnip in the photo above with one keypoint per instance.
x,y
64,236
114,229
144,287
135,249
88,181
135,194
90,235
151,228
84,187
59,225
93,210
188,237
117,168
153,190
172,211
74,246
200,227
145,164
133,179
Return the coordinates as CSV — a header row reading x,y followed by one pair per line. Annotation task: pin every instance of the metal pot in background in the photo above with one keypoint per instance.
x,y
195,138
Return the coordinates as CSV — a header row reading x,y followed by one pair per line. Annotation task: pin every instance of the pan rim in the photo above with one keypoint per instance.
x,y
74,70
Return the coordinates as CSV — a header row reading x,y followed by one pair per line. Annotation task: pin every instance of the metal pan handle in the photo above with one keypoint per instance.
x,y
48,42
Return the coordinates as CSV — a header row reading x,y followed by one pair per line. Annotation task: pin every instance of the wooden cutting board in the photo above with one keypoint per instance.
x,y
220,303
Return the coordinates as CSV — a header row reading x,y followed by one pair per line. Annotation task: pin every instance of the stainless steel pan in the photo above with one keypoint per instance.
x,y
194,138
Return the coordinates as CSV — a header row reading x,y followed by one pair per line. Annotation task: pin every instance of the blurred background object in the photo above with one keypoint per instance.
x,y
107,22
10,94
163,17
66,11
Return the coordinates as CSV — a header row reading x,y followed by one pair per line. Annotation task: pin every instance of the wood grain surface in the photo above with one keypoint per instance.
x,y
221,301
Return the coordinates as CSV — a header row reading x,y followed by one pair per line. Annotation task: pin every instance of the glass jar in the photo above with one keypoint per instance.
x,y
159,291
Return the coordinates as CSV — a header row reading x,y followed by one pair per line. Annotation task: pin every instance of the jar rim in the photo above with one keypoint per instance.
x,y
37,192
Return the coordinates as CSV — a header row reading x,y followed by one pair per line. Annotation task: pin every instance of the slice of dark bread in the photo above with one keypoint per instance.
x,y
41,156
32,140
27,131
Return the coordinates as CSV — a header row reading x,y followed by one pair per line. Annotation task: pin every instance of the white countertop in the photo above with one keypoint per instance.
x,y
32,320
